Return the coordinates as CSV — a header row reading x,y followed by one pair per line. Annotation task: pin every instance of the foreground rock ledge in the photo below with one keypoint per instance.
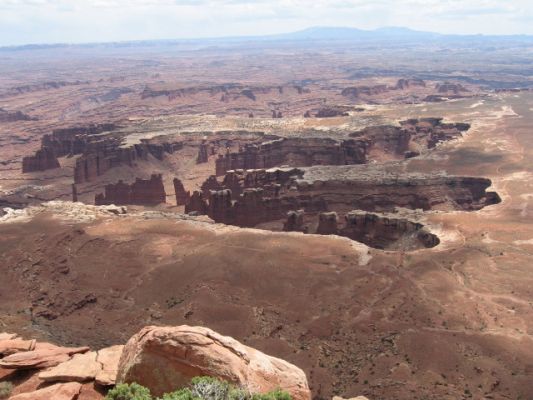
x,y
166,358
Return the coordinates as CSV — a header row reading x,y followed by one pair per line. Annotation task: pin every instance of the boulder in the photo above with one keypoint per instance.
x,y
60,391
109,359
80,368
44,355
166,358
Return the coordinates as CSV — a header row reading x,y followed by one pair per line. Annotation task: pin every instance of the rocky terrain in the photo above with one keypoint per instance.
x,y
38,370
369,225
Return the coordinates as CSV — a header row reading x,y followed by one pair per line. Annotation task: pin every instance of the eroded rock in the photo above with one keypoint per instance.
x,y
165,358
44,355
61,391
108,359
80,368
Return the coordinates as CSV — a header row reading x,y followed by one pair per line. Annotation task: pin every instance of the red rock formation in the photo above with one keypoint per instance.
x,y
357,91
74,193
44,355
60,391
295,222
182,196
295,152
220,207
211,183
327,223
396,141
453,88
196,204
13,116
43,160
72,141
403,84
202,153
385,232
330,112
141,192
166,358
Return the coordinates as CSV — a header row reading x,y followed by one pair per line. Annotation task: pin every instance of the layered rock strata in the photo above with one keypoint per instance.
x,y
142,192
294,152
44,159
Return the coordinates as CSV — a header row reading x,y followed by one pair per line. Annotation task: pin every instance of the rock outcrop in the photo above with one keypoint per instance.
x,y
403,83
330,112
44,355
450,88
14,116
203,153
166,358
387,232
65,369
294,152
196,204
147,192
43,160
61,391
355,92
108,359
327,223
182,196
295,222
80,368
14,345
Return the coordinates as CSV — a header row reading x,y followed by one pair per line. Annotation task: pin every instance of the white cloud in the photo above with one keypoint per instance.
x,y
37,21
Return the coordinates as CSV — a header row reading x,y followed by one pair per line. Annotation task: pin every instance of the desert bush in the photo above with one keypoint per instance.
x,y
181,394
277,394
131,391
5,390
200,388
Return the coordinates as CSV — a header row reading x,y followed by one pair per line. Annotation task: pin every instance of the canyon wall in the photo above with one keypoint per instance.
x,y
142,192
43,160
294,152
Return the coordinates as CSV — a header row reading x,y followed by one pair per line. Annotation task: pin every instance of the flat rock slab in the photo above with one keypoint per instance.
x,y
45,355
12,346
6,372
80,368
7,336
108,359
60,391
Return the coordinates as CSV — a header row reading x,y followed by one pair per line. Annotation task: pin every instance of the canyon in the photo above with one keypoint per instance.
x,y
361,212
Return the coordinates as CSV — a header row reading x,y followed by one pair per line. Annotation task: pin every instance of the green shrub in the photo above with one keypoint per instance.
x,y
5,389
277,394
131,391
181,394
209,388
200,388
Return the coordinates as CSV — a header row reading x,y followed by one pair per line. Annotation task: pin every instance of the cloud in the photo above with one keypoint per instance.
x,y
37,21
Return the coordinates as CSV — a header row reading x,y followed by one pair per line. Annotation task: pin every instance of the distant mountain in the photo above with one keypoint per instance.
x,y
391,35
335,33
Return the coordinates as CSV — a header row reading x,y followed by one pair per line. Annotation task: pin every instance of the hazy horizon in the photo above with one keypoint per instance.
x,y
61,21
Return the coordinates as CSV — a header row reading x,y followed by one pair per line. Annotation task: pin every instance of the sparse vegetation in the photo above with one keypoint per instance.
x,y
5,390
131,391
201,388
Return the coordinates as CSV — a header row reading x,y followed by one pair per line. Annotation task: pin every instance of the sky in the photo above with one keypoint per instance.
x,y
79,21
